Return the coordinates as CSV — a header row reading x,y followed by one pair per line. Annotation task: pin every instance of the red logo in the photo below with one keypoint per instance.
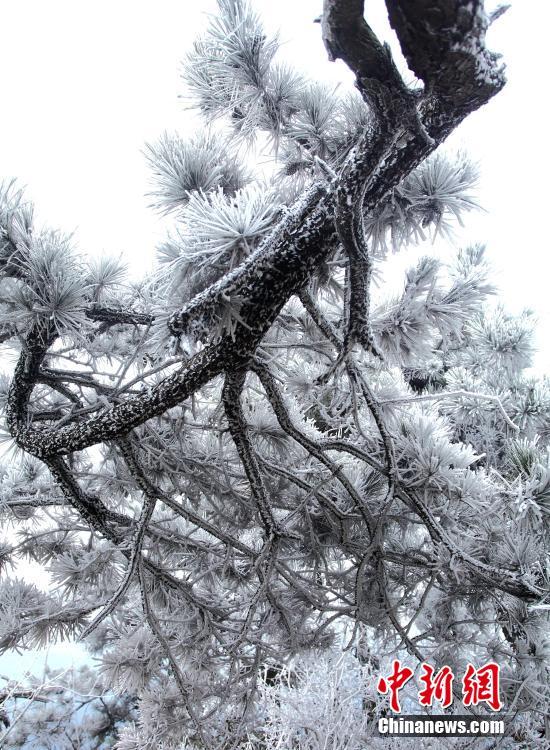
x,y
396,680
439,686
481,686
478,685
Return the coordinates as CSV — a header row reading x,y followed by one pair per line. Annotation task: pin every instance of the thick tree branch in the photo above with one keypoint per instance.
x,y
444,45
348,36
114,316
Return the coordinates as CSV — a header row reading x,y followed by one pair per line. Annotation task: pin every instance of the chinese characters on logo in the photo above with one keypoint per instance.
x,y
478,685
393,683
481,685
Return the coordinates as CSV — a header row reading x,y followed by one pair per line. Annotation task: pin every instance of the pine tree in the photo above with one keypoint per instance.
x,y
254,478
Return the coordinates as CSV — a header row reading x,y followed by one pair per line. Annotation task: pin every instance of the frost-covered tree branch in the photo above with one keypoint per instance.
x,y
255,455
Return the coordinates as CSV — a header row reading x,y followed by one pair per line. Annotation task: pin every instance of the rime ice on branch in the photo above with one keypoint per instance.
x,y
255,454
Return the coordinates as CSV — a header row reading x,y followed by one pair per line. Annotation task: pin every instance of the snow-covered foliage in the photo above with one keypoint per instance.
x,y
64,710
243,512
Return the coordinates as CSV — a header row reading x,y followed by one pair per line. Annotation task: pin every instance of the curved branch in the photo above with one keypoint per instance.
x,y
348,36
444,45
231,398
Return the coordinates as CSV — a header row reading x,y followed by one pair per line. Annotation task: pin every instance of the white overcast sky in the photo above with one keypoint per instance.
x,y
85,84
